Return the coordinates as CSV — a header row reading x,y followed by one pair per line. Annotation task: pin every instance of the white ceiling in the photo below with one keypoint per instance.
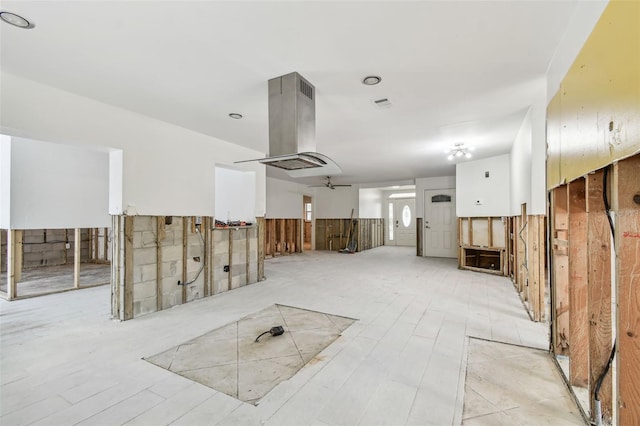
x,y
455,71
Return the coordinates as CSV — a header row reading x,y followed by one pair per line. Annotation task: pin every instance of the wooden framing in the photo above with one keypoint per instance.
x,y
560,257
14,262
262,241
599,294
482,243
578,291
536,266
77,245
128,269
283,236
627,238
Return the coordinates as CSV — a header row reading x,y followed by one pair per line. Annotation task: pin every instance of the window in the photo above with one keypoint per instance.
x,y
406,216
307,212
390,221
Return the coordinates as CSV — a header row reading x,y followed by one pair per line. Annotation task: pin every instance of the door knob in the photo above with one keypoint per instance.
x,y
427,226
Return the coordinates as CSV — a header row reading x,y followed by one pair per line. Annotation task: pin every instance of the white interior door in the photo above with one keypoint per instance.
x,y
440,230
402,222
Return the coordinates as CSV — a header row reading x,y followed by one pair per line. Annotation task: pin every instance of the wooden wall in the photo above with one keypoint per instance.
x,y
334,234
282,236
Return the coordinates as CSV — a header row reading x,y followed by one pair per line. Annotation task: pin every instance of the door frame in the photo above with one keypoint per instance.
x,y
424,220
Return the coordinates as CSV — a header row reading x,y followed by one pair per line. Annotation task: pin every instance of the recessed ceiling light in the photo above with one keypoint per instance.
x,y
15,20
371,80
235,115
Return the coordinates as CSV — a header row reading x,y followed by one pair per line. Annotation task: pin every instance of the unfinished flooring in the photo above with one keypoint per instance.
x,y
64,361
52,279
513,385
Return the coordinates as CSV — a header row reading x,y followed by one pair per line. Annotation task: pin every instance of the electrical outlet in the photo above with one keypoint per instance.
x,y
478,202
67,246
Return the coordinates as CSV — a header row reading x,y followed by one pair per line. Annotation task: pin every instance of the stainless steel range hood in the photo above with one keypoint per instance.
x,y
292,129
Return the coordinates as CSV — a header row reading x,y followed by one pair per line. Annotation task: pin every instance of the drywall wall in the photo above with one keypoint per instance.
x,y
585,17
477,195
370,204
58,186
520,174
235,195
284,199
422,184
167,170
336,203
594,119
5,182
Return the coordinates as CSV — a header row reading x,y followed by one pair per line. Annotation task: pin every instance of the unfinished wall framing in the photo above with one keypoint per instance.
x,y
160,262
482,242
334,234
282,236
588,275
45,261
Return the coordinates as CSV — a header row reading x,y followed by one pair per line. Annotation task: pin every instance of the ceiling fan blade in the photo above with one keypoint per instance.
x,y
341,185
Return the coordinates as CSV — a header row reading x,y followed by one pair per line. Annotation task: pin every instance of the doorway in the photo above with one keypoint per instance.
x,y
440,230
401,230
307,216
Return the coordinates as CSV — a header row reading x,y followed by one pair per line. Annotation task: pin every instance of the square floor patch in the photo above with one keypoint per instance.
x,y
229,359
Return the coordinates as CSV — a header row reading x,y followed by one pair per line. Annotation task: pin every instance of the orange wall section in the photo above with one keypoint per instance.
x,y
594,118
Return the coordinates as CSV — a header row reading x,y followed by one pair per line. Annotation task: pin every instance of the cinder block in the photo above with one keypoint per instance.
x,y
144,290
172,299
171,253
172,269
221,247
144,256
142,273
145,306
33,236
143,223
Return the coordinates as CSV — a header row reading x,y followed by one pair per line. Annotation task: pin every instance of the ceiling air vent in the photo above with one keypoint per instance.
x,y
306,89
383,103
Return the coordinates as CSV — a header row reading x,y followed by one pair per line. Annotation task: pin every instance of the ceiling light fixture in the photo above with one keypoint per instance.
x,y
15,20
235,115
459,150
371,80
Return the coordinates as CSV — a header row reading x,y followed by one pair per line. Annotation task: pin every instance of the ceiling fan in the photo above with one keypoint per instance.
x,y
328,184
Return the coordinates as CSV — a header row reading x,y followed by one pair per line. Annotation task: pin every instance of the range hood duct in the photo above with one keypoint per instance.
x,y
292,129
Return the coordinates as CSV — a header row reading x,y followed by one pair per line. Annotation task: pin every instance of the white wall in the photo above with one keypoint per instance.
x,y
492,192
284,199
58,186
521,168
167,170
234,195
370,203
5,182
336,203
422,184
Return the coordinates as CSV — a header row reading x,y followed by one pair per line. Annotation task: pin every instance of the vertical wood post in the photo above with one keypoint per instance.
x,y
627,182
77,244
261,244
14,262
578,289
230,274
247,256
105,255
185,231
128,268
561,307
205,232
160,235
599,294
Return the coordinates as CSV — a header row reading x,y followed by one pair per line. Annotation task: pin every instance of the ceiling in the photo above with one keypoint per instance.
x,y
454,71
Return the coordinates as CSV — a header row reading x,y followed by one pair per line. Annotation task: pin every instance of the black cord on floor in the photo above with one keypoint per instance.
x,y
266,332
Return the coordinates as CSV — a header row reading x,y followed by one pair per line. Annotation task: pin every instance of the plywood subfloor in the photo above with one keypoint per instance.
x,y
515,385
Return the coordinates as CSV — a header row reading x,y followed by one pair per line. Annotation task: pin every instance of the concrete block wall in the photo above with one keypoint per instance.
x,y
144,265
48,247
178,252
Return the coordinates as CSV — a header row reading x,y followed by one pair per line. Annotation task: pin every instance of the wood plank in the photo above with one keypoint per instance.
x,y
272,237
560,290
205,229
128,268
627,204
533,268
105,241
261,253
489,232
230,260
283,236
599,290
77,244
246,256
578,285
160,235
12,264
185,224
96,241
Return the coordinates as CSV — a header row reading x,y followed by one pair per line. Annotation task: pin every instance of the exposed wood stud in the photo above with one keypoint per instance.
x,y
627,235
578,289
77,244
105,247
230,260
128,267
261,247
160,235
247,256
185,224
599,289
205,233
